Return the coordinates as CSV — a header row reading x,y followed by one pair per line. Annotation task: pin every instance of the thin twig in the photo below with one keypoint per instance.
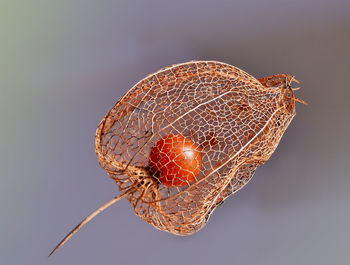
x,y
91,216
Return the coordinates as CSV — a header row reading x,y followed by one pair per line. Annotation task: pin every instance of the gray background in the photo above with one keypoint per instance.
x,y
65,63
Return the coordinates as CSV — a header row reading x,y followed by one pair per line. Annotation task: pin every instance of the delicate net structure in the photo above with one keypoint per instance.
x,y
234,120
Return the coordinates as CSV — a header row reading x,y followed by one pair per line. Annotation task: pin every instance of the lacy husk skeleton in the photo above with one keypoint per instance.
x,y
235,120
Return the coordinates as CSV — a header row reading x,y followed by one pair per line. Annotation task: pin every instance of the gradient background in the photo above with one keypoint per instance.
x,y
63,65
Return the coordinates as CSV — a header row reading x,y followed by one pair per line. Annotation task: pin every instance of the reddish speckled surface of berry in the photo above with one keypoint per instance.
x,y
175,160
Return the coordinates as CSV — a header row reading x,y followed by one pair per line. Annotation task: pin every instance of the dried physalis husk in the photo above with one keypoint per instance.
x,y
231,119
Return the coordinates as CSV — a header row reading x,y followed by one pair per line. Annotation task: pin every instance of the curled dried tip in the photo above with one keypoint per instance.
x,y
296,88
294,80
300,101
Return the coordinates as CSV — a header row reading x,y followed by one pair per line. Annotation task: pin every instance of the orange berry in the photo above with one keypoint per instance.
x,y
175,160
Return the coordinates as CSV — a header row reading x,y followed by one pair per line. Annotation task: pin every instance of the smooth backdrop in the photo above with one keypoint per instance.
x,y
64,64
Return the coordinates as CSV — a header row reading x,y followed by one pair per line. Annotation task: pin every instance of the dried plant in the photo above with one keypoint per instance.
x,y
231,121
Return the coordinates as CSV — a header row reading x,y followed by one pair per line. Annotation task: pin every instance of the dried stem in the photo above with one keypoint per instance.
x,y
91,216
